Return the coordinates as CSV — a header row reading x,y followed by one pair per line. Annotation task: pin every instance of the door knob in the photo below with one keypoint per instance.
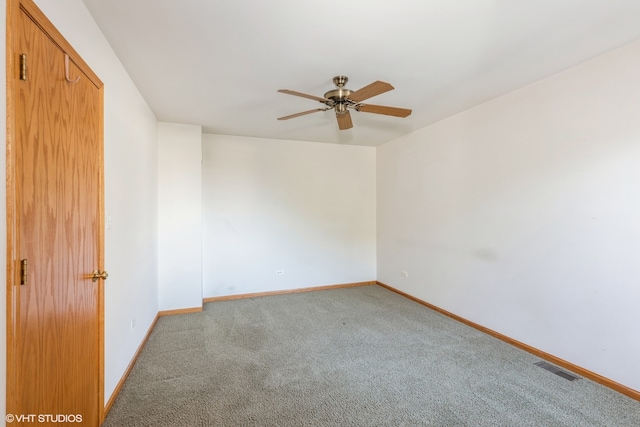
x,y
97,275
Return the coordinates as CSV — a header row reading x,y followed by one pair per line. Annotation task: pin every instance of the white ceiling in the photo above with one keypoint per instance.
x,y
219,63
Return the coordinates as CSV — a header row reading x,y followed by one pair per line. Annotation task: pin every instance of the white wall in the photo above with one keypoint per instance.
x,y
305,208
130,191
522,215
179,216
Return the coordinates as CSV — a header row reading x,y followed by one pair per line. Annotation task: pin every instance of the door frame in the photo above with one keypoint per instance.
x,y
14,8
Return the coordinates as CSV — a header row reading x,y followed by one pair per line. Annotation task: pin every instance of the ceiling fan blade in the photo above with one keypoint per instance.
x,y
388,111
344,121
301,114
304,95
369,91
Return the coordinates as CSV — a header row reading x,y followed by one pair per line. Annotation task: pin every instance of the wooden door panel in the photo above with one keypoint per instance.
x,y
56,319
38,206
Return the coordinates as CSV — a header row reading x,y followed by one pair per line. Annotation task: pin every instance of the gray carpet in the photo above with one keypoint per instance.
x,y
347,357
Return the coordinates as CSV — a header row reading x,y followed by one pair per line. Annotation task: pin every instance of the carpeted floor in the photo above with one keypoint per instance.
x,y
360,356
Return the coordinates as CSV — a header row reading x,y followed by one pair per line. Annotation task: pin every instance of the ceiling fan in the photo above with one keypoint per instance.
x,y
343,99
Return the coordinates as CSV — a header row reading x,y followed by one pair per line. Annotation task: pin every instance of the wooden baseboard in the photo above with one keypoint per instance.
x,y
179,311
162,313
116,391
620,388
288,291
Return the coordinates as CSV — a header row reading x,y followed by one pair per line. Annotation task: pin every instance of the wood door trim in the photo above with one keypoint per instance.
x,y
13,10
39,18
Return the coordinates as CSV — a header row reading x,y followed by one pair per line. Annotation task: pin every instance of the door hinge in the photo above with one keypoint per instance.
x,y
23,66
23,272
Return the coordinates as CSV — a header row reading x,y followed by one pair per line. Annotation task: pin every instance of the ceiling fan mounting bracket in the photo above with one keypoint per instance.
x,y
340,81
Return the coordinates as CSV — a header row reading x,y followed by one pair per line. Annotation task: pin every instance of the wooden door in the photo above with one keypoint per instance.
x,y
55,316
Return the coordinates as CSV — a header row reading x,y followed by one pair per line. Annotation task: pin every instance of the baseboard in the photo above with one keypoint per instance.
x,y
620,388
116,391
162,313
288,291
179,311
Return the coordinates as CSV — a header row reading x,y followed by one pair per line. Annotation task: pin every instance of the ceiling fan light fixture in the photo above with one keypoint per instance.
x,y
341,108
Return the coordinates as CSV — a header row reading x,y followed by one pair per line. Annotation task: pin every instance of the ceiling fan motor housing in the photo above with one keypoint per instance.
x,y
338,94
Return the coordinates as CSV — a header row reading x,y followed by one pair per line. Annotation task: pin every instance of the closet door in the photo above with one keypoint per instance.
x,y
55,365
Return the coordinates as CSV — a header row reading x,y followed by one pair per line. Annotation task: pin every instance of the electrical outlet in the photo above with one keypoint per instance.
x,y
133,323
405,274
279,272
